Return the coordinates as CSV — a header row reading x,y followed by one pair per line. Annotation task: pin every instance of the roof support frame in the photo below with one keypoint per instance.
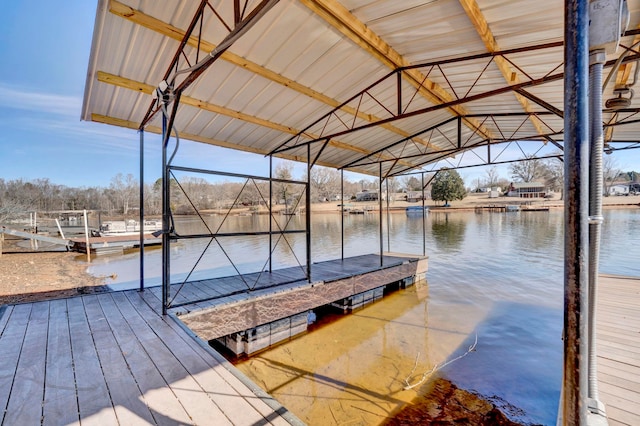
x,y
402,113
193,72
547,78
546,136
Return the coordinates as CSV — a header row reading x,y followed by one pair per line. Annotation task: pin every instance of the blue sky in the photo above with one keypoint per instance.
x,y
44,47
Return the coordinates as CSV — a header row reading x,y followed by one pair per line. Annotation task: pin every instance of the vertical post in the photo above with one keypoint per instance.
x,y
399,89
59,228
342,213
86,235
308,212
141,219
380,216
459,132
424,221
388,221
165,217
270,211
576,119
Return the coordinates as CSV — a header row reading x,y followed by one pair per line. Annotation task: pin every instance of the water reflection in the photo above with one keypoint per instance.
x,y
448,230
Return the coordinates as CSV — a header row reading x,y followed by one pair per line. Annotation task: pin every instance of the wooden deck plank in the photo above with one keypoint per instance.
x,y
60,402
94,400
618,343
217,362
25,402
129,402
206,380
166,408
11,342
198,405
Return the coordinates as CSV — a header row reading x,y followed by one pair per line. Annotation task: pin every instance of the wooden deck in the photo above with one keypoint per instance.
x,y
618,345
111,359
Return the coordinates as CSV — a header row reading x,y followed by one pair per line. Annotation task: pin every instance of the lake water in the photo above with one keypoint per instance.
x,y
497,276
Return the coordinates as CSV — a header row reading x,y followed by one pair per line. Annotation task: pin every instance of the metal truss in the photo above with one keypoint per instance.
x,y
403,106
185,68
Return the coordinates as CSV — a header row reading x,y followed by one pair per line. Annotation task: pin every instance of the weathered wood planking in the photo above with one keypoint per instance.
x,y
94,401
111,359
249,392
618,343
11,342
143,368
27,392
60,402
126,397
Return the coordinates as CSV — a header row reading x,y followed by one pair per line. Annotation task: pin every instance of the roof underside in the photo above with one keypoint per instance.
x,y
353,83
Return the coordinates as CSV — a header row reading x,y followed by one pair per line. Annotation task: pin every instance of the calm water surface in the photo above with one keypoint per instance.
x,y
496,276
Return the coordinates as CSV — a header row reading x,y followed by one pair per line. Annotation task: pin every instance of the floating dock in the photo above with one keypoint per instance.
x,y
116,244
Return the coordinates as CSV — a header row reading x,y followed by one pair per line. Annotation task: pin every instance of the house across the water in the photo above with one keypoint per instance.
x,y
527,190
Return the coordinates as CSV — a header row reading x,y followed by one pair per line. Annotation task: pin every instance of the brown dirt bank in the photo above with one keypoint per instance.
x,y
27,276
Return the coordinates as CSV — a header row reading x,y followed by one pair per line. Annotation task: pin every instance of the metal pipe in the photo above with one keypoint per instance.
x,y
308,212
342,213
424,221
141,210
380,217
165,217
270,210
576,57
388,227
596,136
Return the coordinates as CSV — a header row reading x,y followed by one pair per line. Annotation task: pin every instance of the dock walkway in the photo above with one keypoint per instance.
x,y
111,359
618,346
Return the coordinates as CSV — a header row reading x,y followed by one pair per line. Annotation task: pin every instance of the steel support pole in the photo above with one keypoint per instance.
x,y
308,212
342,213
141,209
380,217
576,212
270,211
388,219
165,218
424,221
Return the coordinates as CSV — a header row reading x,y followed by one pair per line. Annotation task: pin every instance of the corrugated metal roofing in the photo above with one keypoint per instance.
x,y
304,58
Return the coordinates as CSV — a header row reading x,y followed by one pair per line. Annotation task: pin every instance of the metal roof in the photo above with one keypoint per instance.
x,y
401,83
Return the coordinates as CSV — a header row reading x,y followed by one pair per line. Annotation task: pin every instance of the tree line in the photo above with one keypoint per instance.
x,y
190,192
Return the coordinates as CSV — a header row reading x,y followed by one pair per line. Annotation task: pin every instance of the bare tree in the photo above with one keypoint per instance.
x,y
610,172
492,176
123,190
529,169
283,191
325,182
554,174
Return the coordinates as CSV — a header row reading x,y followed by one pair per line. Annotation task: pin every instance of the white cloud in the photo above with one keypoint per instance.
x,y
43,102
